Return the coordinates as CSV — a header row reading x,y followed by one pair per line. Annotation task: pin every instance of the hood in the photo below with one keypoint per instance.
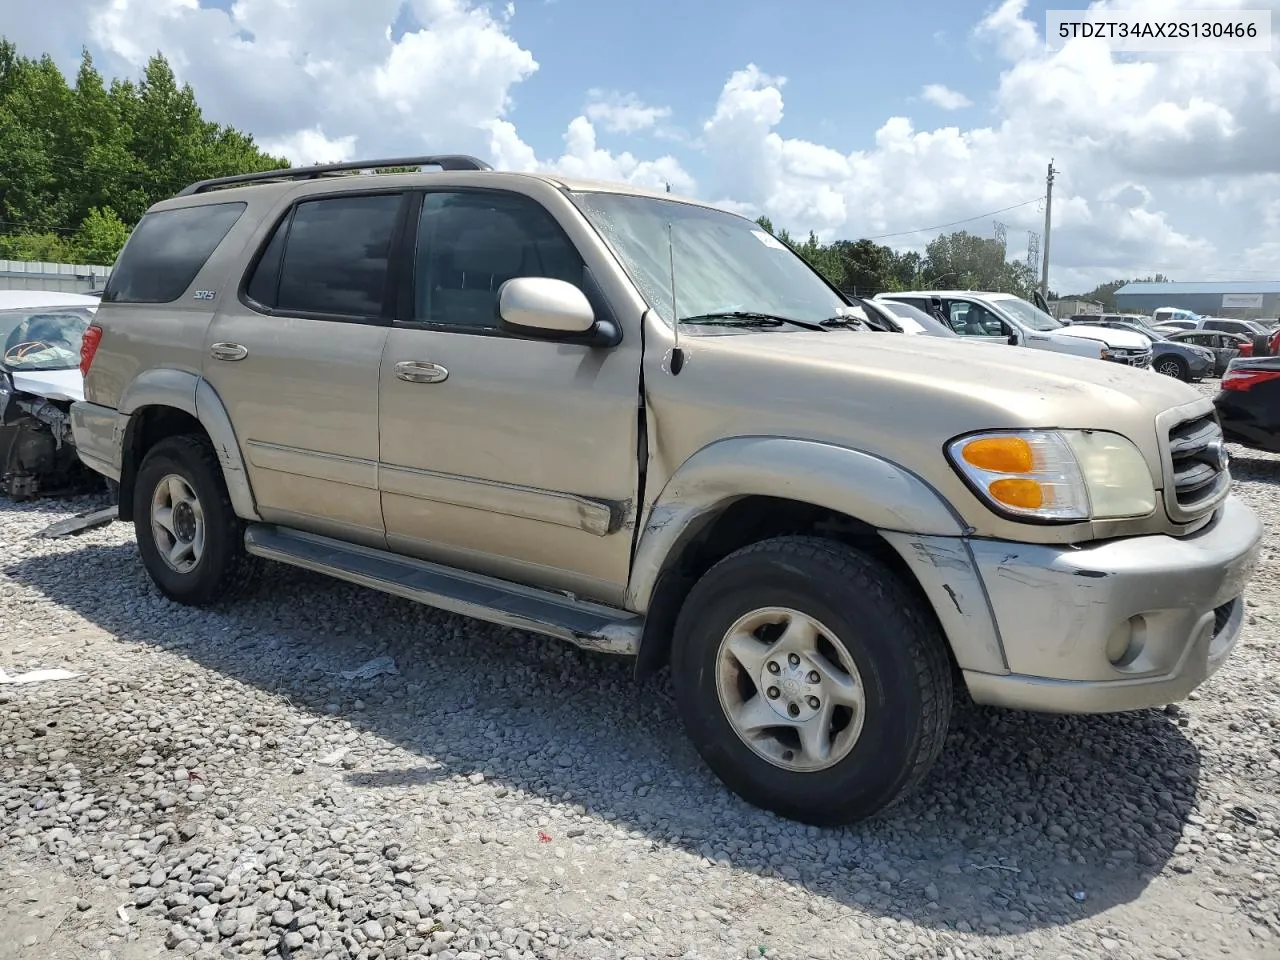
x,y
50,384
1108,335
899,398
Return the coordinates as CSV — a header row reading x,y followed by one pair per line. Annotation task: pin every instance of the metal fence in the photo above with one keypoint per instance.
x,y
62,277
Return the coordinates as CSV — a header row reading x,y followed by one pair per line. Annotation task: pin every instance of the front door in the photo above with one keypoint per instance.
x,y
296,363
973,320
500,453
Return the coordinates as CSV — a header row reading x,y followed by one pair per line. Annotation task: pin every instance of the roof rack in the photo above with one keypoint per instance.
x,y
450,161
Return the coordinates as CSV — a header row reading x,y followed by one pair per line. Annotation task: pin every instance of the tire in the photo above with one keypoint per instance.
x,y
1175,367
219,567
901,661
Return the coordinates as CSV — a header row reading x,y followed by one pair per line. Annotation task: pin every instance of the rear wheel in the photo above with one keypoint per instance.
x,y
1175,367
190,539
809,681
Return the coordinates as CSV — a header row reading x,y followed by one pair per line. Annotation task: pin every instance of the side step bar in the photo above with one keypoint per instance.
x,y
591,626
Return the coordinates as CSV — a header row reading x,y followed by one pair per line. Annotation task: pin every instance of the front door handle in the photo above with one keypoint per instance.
x,y
228,351
421,371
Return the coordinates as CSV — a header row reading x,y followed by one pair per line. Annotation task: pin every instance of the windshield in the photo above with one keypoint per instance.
x,y
1027,314
723,262
914,320
43,339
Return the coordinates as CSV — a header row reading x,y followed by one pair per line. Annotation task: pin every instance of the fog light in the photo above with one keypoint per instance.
x,y
1126,641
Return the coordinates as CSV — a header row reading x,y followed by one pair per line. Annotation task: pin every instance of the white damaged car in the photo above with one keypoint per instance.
x,y
40,335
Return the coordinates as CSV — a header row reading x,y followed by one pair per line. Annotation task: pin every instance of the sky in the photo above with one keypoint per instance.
x,y
845,117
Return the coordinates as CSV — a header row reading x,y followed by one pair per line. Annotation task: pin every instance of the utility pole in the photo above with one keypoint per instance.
x,y
1048,222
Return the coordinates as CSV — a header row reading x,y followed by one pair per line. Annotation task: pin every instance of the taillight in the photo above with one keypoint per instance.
x,y
88,347
1247,379
1246,349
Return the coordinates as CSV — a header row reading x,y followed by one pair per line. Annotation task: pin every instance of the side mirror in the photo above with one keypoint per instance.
x,y
542,306
1013,339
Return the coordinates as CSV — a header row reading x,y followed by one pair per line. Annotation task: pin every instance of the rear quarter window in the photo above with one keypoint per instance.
x,y
166,250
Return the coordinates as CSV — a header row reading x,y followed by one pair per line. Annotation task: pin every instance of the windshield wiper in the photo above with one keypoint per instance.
x,y
748,318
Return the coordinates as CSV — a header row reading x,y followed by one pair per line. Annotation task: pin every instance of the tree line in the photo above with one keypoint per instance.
x,y
83,161
957,261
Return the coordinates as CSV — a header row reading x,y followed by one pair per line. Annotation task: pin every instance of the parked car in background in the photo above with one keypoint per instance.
x,y
1175,317
904,318
1182,361
480,390
1224,346
1003,317
40,336
1248,404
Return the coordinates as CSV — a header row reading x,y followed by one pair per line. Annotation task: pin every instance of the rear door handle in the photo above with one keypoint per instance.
x,y
228,351
421,371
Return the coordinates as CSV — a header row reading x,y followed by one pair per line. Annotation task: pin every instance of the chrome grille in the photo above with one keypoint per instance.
x,y
1130,357
1198,455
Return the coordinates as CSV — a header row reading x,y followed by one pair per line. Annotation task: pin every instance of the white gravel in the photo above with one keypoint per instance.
x,y
211,785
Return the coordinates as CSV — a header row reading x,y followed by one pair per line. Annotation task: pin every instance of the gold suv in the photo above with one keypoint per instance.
x,y
643,425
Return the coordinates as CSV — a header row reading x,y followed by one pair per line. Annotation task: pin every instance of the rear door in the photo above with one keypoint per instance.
x,y
295,360
503,453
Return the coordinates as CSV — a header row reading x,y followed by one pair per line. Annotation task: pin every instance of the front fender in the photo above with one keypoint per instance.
x,y
859,485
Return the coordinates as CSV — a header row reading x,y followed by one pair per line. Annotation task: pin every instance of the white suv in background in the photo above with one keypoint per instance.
x,y
1005,317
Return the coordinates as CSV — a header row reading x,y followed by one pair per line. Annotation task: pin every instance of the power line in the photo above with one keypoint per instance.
x,y
955,223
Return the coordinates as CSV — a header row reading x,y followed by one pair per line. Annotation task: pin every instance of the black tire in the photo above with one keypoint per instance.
x,y
1175,367
901,656
224,568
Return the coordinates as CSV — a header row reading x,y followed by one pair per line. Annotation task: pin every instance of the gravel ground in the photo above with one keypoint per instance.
x,y
210,784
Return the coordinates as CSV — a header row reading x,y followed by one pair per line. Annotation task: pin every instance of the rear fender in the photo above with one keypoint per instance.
x,y
194,395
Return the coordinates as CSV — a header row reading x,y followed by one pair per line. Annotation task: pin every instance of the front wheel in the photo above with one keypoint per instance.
x,y
190,539
809,681
1174,367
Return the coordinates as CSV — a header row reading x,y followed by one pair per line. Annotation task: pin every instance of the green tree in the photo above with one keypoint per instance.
x,y
100,237
82,163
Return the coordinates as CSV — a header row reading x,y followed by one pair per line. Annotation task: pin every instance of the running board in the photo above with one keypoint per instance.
x,y
591,626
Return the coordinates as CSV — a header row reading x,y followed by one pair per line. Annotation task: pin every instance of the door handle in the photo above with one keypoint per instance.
x,y
228,351
421,371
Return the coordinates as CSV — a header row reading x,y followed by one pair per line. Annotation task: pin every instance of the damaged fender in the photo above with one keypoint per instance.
x,y
913,517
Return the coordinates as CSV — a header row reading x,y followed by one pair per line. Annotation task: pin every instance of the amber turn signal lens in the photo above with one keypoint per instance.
x,y
1000,455
1025,494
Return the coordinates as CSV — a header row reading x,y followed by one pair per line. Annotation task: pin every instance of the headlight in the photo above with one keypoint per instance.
x,y
6,388
1056,475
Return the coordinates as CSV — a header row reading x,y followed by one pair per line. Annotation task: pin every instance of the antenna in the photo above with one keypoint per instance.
x,y
677,355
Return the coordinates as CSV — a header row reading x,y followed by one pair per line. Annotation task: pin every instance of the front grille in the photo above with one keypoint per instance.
x,y
1130,357
1199,457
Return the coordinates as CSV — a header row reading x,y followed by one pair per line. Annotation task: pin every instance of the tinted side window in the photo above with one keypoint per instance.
x,y
469,244
166,250
264,285
334,260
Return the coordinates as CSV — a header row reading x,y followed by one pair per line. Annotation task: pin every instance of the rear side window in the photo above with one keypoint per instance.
x,y
166,250
328,257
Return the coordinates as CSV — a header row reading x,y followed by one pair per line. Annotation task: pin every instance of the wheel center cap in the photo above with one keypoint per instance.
x,y
789,689
184,522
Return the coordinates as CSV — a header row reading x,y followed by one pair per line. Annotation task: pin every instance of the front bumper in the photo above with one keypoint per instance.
x,y
1173,607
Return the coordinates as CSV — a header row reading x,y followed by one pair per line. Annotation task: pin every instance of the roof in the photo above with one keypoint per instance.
x,y
496,178
975,294
1210,287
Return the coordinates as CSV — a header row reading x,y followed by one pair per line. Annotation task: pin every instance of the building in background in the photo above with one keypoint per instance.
x,y
1244,300
63,277
1071,308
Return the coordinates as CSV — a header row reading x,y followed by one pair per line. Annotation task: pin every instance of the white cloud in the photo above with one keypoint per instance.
x,y
945,97
305,147
620,113
1165,162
